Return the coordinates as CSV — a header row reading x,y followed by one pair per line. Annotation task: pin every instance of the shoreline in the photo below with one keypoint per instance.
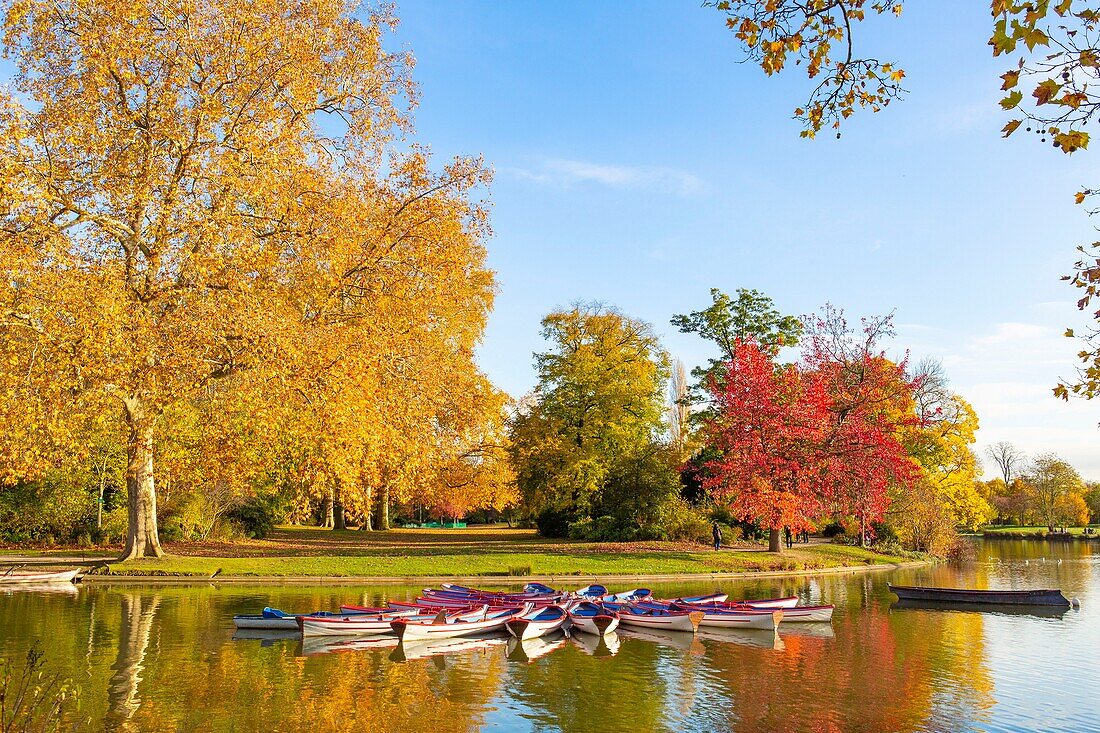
x,y
489,579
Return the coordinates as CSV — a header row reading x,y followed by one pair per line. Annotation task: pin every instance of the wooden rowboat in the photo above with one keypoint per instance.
x,y
765,620
798,614
766,603
26,577
274,619
592,618
445,627
365,624
537,622
1046,597
653,618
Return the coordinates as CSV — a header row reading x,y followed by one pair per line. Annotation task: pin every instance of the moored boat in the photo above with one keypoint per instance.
x,y
1039,597
31,577
366,624
797,614
629,596
537,622
765,603
658,618
592,618
274,619
443,626
727,619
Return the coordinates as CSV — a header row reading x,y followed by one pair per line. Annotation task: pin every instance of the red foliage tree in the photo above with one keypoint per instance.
x,y
870,404
798,441
767,426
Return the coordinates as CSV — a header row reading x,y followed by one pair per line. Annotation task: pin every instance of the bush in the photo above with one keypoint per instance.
x,y
680,522
832,529
554,522
57,508
258,516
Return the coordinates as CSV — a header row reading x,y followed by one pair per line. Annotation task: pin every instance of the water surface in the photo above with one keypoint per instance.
x,y
166,659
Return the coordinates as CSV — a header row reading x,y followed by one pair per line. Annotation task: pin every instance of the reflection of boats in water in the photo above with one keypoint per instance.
x,y
528,650
606,645
759,638
821,631
996,608
266,637
66,588
313,645
674,639
423,648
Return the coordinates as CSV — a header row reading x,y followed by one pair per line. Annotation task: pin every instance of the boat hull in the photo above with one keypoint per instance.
x,y
766,620
1044,597
30,578
597,625
687,622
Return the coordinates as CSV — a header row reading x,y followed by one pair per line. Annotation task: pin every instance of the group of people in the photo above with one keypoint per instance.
x,y
803,536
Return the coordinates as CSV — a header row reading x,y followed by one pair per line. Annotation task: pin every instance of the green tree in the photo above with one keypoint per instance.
x,y
1054,481
598,407
727,321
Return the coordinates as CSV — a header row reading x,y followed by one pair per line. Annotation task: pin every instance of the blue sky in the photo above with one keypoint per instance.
x,y
639,162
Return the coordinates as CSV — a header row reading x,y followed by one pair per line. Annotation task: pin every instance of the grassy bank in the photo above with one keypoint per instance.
x,y
467,552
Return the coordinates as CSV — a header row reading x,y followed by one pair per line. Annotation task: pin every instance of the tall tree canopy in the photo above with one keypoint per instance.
x,y
199,199
796,442
598,407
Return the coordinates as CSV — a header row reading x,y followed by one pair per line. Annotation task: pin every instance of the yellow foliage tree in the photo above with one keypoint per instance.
x,y
195,195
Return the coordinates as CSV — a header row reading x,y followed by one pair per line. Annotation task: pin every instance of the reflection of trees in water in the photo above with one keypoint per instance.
x,y
880,671
138,615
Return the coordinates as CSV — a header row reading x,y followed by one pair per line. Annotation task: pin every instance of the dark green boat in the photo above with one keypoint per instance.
x,y
999,597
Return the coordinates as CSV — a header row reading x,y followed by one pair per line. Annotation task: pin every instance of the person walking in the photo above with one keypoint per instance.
x,y
716,533
789,537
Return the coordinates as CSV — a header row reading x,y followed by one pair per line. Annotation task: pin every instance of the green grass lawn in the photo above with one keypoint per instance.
x,y
417,553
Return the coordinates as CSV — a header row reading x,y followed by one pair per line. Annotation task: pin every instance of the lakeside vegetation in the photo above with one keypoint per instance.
x,y
402,553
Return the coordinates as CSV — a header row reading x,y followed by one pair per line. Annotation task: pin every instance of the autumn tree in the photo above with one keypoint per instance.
x,y
871,401
599,403
941,442
679,409
1059,491
767,427
199,195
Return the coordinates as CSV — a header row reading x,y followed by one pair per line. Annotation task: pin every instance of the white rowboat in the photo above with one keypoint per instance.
x,y
12,577
444,627
537,622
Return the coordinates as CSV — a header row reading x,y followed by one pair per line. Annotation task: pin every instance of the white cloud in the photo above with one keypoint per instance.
x,y
1007,371
566,173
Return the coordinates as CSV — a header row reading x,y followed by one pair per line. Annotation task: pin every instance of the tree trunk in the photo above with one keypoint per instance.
x,y
142,539
774,545
384,507
338,521
862,531
366,525
328,521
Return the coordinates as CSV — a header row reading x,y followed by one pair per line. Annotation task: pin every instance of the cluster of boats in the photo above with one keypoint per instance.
x,y
458,611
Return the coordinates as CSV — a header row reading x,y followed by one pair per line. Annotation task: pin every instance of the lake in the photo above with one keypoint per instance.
x,y
167,659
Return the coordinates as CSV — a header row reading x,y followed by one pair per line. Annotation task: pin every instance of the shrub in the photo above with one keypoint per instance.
x,y
257,516
832,529
554,522
680,522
